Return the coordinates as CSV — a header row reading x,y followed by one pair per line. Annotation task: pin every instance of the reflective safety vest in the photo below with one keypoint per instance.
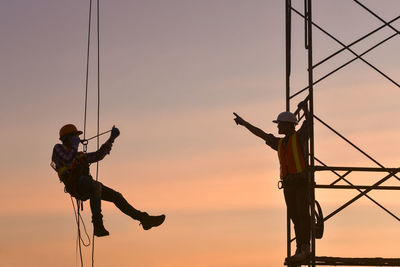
x,y
291,157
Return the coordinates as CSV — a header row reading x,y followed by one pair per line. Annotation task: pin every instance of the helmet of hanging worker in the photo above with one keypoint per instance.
x,y
286,117
69,129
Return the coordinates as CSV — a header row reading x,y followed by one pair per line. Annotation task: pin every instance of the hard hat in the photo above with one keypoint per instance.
x,y
69,129
286,117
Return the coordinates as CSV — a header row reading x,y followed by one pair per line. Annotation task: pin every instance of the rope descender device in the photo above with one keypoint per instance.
x,y
84,143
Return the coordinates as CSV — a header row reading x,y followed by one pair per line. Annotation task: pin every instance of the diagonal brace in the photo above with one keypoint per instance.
x,y
346,47
376,16
353,145
360,195
342,177
357,41
345,64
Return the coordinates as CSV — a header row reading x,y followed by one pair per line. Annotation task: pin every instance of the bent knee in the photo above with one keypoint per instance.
x,y
118,195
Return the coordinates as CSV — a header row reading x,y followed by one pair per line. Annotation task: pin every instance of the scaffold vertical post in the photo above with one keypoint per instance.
x,y
288,52
363,190
288,59
309,47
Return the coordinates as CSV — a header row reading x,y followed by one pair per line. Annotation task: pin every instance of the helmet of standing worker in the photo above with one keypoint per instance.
x,y
69,129
286,117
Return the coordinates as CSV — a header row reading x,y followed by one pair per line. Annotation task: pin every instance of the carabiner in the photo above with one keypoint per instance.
x,y
280,184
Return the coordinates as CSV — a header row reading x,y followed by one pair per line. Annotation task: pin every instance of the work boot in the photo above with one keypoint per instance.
x,y
301,254
98,228
147,221
289,260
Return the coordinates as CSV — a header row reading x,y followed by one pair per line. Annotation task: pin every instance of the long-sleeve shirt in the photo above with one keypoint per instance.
x,y
64,157
302,135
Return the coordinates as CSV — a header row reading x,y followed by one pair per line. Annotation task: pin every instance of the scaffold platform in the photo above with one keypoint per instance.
x,y
339,261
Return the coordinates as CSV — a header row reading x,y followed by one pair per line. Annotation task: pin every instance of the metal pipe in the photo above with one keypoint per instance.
x,y
362,169
310,125
356,41
353,145
351,51
345,64
376,16
288,68
288,50
360,195
356,187
342,177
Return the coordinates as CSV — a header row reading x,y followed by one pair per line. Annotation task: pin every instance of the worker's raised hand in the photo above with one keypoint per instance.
x,y
238,119
114,133
303,105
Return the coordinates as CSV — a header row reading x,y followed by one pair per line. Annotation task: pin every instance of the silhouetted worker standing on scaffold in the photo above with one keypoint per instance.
x,y
73,170
293,172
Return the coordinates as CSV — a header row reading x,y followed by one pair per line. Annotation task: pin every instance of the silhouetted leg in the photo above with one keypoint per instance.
x,y
145,219
290,199
120,202
303,214
95,202
89,188
302,223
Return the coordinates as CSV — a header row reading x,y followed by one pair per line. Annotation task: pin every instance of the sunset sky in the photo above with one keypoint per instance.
x,y
172,73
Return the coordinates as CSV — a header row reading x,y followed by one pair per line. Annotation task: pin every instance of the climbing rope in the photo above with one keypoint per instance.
x,y
98,103
79,207
79,204
79,239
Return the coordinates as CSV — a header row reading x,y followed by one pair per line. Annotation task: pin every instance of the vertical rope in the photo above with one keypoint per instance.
x,y
84,128
87,69
79,234
98,103
98,83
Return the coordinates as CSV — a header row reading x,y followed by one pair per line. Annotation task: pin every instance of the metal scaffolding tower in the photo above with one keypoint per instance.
x,y
315,164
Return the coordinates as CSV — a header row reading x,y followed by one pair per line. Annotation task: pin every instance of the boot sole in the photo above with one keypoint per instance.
x,y
154,225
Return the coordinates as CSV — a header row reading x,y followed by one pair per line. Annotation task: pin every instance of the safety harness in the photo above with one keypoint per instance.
x,y
69,174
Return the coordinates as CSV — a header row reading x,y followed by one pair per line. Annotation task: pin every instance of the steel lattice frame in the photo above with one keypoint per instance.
x,y
312,159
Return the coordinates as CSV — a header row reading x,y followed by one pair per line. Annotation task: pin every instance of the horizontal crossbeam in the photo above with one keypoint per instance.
x,y
337,261
360,195
356,187
352,144
360,169
342,177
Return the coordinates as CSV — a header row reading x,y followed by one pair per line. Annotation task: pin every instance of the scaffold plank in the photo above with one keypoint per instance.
x,y
339,261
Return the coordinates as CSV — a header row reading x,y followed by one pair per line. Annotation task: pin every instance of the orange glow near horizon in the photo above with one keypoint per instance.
x,y
172,74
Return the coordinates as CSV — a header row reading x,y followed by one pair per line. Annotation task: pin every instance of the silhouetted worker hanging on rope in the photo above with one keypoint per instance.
x,y
73,170
293,172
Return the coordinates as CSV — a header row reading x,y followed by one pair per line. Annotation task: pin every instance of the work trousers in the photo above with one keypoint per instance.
x,y
297,203
89,189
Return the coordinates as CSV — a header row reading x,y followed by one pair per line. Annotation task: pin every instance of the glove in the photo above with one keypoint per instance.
x,y
303,104
114,133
